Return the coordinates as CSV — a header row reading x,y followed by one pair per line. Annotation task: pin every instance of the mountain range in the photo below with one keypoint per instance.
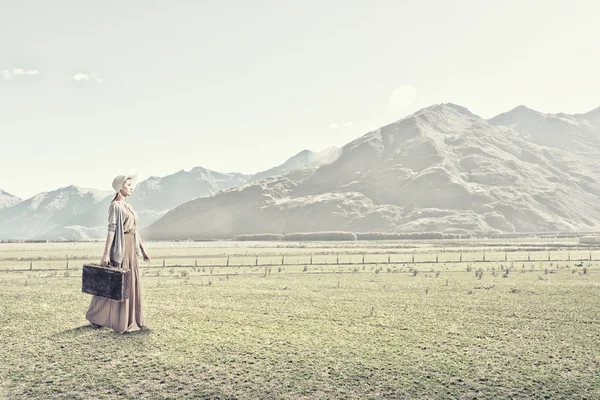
x,y
440,169
75,213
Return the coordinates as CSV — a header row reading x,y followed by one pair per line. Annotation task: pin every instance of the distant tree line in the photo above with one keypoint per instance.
x,y
271,237
322,236
24,241
409,236
347,236
298,236
350,236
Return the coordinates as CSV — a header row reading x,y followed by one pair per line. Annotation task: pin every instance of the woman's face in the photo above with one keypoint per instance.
x,y
127,189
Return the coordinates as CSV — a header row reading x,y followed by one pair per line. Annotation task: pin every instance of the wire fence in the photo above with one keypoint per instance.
x,y
338,259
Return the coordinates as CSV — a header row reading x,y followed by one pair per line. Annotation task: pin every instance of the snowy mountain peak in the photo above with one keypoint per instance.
x,y
524,109
443,110
204,172
458,108
517,115
7,199
327,151
198,170
328,155
81,191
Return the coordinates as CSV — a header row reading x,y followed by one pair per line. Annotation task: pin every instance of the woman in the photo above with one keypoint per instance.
x,y
123,246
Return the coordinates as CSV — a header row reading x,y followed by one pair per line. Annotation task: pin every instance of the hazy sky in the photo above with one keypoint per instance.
x,y
89,90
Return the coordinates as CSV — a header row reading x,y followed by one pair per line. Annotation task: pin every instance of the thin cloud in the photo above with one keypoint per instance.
x,y
81,77
18,72
348,124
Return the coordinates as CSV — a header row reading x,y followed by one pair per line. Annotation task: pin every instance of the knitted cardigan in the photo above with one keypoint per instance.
x,y
115,225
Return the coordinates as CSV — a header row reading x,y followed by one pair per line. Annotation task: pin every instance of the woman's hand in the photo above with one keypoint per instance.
x,y
105,260
146,257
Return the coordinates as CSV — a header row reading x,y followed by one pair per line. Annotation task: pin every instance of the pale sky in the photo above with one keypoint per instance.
x,y
89,90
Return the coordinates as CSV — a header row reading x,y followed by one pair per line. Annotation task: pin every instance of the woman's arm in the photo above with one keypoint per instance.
x,y
112,228
144,254
109,239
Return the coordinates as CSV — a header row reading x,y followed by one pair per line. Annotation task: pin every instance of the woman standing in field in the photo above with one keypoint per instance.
x,y
123,246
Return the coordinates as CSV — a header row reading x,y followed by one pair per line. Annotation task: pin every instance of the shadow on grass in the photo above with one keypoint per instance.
x,y
88,328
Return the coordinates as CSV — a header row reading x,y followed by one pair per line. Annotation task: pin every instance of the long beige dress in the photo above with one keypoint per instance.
x,y
122,316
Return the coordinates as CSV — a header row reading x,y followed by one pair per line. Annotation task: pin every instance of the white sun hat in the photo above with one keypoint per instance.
x,y
120,180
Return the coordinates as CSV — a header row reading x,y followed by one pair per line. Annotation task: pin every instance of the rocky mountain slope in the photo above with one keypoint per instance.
x,y
440,169
7,199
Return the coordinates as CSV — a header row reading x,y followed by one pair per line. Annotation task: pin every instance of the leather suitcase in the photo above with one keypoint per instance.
x,y
108,282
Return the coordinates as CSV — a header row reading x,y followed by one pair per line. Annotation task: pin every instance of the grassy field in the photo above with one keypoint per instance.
x,y
399,330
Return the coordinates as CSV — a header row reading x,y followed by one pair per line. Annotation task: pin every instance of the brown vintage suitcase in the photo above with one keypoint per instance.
x,y
108,282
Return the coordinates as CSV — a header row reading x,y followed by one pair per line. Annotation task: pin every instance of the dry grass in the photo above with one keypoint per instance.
x,y
293,334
